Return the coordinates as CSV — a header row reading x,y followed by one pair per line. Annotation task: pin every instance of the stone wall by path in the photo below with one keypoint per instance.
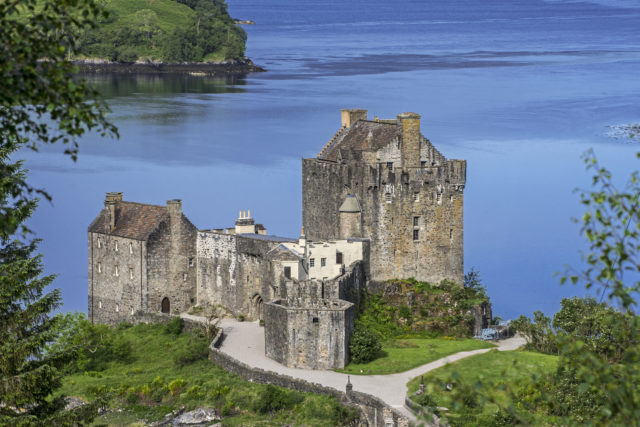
x,y
374,412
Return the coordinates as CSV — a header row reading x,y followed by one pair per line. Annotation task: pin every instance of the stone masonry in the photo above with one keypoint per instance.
x,y
409,195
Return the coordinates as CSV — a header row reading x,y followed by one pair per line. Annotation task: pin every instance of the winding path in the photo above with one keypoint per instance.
x,y
245,342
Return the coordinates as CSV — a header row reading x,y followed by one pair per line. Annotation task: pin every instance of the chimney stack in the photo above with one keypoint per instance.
x,y
349,117
410,132
110,201
174,207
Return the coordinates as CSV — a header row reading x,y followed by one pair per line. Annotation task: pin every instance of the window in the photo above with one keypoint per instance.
x,y
416,221
312,262
416,196
451,233
323,262
338,257
99,243
184,276
423,163
130,248
116,246
439,198
131,273
451,198
390,166
190,262
117,308
116,272
416,234
315,320
387,197
287,272
99,304
99,267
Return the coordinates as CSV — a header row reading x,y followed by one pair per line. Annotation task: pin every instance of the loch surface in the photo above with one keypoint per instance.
x,y
518,88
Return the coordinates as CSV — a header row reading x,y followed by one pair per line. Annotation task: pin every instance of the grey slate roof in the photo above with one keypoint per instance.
x,y
357,138
282,253
268,237
133,220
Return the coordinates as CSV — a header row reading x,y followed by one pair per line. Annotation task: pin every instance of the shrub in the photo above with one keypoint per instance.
x,y
176,385
174,326
272,399
195,349
365,346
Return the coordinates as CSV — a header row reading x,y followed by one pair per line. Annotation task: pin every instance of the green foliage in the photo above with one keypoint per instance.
x,y
195,349
401,355
364,346
420,309
174,326
272,399
172,31
93,346
145,380
538,333
41,102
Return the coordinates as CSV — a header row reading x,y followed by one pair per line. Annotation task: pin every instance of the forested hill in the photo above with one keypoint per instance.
x,y
171,31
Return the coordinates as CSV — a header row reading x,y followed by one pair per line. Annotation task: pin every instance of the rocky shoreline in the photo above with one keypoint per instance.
x,y
241,66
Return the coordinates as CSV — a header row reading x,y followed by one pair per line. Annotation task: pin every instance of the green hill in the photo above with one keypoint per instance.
x,y
164,30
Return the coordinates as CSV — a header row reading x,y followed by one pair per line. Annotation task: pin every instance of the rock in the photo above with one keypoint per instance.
x,y
73,403
198,416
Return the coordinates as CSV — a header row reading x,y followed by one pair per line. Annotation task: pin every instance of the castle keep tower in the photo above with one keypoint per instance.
x,y
384,180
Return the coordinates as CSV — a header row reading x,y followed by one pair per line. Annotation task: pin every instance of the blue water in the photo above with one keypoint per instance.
x,y
519,88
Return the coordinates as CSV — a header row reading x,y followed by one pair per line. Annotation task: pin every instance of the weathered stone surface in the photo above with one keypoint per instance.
x,y
200,416
396,179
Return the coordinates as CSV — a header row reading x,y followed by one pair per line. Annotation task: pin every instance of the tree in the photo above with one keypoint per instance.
x,y
41,102
365,345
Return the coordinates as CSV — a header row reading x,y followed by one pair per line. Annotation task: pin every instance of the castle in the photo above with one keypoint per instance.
x,y
379,202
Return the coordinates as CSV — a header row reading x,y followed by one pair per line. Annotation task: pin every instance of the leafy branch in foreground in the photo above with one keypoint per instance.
x,y
41,102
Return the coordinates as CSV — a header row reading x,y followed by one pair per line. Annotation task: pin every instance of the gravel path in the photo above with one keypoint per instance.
x,y
245,342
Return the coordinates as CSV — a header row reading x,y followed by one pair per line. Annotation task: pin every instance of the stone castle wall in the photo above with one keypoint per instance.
x,y
390,200
113,298
233,271
309,335
171,265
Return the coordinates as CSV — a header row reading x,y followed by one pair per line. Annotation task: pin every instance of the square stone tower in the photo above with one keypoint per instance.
x,y
409,196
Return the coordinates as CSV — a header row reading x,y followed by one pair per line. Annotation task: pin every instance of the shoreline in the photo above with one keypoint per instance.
x,y
243,66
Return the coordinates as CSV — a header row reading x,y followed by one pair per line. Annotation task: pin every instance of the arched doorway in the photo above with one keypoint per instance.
x,y
166,305
257,306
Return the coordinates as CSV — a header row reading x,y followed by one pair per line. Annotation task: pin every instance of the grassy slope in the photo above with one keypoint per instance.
x,y
402,355
170,13
494,367
153,353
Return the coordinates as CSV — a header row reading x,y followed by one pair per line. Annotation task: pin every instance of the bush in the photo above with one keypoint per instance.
x,y
365,346
195,349
273,399
176,385
174,326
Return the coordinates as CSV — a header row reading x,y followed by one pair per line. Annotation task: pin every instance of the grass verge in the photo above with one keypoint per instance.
x,y
494,368
399,355
167,371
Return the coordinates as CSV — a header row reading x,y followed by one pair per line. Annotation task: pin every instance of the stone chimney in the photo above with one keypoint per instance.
x,y
349,117
174,207
410,133
111,200
245,224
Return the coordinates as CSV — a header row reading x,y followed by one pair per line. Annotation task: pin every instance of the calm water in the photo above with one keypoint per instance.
x,y
519,88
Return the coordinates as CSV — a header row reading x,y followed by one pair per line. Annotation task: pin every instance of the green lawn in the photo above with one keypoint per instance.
x,y
492,368
142,387
400,355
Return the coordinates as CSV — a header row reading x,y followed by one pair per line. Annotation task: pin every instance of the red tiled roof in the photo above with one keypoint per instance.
x,y
133,220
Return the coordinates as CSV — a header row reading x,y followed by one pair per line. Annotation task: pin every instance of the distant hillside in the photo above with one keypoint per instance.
x,y
171,31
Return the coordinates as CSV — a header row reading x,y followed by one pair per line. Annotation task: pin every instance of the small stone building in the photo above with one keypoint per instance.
x,y
311,334
141,257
